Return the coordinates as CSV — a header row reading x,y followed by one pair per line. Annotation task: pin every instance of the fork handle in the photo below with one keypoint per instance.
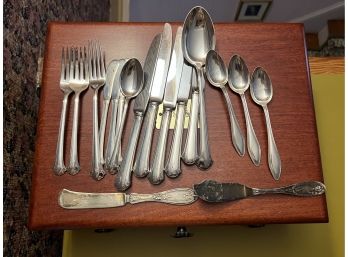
x,y
59,167
97,169
74,166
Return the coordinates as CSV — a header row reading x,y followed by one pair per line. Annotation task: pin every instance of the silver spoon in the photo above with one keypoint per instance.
x,y
131,81
262,92
239,80
217,75
198,38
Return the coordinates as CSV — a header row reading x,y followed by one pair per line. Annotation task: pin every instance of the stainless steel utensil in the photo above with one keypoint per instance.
x,y
173,168
141,166
97,79
78,82
131,79
212,191
107,92
198,38
59,167
77,200
123,177
261,92
216,72
239,80
116,116
156,175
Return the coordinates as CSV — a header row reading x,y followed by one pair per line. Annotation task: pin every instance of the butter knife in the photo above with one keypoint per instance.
x,y
77,200
141,166
156,175
123,177
212,191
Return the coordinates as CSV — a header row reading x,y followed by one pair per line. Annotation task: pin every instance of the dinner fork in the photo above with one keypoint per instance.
x,y
59,167
97,78
78,82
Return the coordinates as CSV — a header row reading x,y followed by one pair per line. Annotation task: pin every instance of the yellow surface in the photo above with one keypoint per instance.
x,y
294,240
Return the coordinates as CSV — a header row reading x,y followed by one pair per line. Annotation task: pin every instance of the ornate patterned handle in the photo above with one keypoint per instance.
x,y
308,188
177,196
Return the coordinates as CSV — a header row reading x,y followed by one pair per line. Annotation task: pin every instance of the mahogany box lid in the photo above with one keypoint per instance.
x,y
278,48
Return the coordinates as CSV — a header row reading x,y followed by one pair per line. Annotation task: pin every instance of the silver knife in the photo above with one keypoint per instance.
x,y
156,175
123,178
107,91
78,200
116,116
173,168
141,166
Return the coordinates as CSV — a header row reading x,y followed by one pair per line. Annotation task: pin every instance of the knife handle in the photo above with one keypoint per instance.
x,y
112,133
205,160
177,196
141,166
123,177
173,168
189,155
102,130
77,200
156,175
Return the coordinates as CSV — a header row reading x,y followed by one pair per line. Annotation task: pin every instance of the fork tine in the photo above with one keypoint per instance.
x,y
72,58
103,64
96,47
81,63
86,64
94,71
67,63
77,60
62,69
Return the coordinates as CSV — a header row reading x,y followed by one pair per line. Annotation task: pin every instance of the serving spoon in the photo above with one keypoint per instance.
x,y
216,72
239,80
198,38
262,92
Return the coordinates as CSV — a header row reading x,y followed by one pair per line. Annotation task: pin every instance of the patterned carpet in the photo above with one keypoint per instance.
x,y
25,24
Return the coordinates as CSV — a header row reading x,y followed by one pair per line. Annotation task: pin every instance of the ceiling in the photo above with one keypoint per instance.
x,y
313,13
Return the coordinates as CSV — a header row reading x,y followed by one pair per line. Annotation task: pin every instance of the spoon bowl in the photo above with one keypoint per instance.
x,y
261,87
131,78
238,75
216,70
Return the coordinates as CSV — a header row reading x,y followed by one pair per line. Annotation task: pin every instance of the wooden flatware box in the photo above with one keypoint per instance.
x,y
278,48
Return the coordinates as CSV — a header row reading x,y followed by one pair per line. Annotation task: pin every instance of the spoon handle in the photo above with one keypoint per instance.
x,y
237,137
173,165
156,175
141,166
74,166
204,158
112,132
102,129
97,169
59,167
123,177
123,105
274,162
189,155
253,145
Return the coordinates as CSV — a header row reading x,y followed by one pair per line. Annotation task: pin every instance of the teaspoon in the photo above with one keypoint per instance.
x,y
261,93
217,75
239,80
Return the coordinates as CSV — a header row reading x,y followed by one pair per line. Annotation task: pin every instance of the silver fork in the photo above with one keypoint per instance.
x,y
78,82
97,78
59,167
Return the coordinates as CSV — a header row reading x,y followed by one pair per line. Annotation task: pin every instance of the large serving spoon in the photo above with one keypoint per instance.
x,y
131,81
216,72
197,39
239,80
262,92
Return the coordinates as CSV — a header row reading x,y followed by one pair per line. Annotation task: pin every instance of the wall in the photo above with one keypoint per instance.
x,y
25,25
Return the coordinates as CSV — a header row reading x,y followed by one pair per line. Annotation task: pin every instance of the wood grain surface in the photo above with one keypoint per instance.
x,y
278,48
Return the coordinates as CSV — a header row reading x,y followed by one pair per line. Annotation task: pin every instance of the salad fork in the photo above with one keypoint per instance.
x,y
97,78
59,167
78,82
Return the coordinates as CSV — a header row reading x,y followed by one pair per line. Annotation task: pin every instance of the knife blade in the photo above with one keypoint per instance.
x,y
173,167
156,175
213,191
78,200
123,178
141,166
